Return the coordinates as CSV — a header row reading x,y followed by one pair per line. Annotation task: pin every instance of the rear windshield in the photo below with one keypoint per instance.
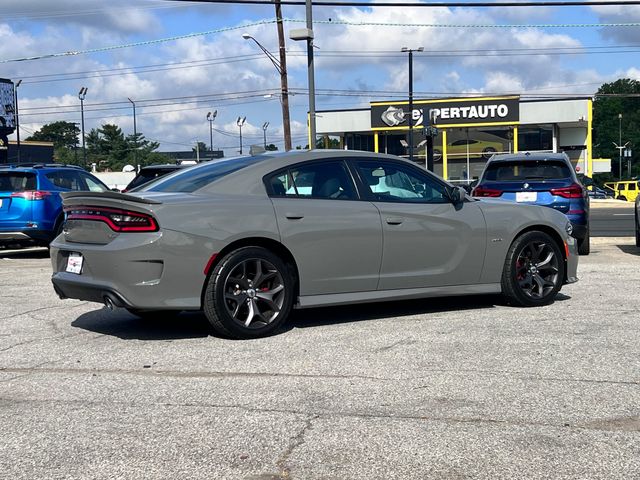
x,y
147,175
526,170
17,181
194,178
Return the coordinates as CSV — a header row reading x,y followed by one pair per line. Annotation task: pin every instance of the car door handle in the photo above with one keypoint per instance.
x,y
394,220
294,216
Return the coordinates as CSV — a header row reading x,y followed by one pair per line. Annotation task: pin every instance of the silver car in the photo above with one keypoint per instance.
x,y
247,239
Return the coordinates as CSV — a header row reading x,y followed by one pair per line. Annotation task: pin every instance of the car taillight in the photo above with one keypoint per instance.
x,y
486,192
574,191
118,220
31,195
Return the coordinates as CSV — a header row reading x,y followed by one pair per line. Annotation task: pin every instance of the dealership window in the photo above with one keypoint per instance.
x,y
532,138
468,149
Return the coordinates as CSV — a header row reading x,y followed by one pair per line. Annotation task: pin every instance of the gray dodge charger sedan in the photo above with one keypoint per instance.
x,y
247,239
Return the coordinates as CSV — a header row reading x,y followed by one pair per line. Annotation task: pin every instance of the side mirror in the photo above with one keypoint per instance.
x,y
457,195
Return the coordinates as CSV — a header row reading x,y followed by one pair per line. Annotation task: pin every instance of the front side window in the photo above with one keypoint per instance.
x,y
325,180
389,181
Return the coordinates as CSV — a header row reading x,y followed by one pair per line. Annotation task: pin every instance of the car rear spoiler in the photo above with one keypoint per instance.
x,y
110,195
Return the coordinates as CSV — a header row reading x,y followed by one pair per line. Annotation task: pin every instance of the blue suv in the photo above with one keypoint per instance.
x,y
547,179
30,202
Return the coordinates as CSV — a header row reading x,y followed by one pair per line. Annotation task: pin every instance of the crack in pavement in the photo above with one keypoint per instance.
x,y
297,440
221,374
294,442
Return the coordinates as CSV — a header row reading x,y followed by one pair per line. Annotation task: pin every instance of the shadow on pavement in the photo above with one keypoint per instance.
x,y
168,326
372,311
630,249
25,254
120,323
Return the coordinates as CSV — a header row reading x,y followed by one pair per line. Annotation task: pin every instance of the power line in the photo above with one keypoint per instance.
x,y
499,4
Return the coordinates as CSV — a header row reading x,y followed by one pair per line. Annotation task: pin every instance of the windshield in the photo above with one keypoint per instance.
x,y
526,170
194,178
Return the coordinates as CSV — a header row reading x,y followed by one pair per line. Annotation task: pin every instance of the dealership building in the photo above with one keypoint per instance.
x,y
468,130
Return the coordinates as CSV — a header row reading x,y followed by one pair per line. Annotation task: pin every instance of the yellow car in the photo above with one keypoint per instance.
x,y
476,148
626,190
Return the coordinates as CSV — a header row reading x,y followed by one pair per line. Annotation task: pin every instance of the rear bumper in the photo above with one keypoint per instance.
x,y
69,285
25,236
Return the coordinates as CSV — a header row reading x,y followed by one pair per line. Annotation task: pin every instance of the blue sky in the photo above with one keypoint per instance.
x,y
358,60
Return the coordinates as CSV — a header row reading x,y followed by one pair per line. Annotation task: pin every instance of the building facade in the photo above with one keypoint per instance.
x,y
467,130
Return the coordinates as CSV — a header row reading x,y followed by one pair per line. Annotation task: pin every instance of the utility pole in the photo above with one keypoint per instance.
x,y
620,142
284,87
410,51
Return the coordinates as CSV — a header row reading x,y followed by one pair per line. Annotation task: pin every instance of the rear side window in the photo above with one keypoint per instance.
x,y
17,181
194,178
526,170
326,180
65,179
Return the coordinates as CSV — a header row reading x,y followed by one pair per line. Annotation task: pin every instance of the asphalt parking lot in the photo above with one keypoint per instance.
x,y
453,388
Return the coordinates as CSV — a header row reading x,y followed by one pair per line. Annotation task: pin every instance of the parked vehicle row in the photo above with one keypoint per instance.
x,y
247,239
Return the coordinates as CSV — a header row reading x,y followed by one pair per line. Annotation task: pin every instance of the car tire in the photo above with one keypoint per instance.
x,y
249,294
584,244
488,152
533,270
637,230
621,197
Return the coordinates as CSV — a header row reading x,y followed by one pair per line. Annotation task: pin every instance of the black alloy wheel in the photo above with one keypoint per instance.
x,y
249,294
533,271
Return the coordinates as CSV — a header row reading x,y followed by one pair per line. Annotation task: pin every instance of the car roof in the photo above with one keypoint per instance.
x,y
520,156
29,167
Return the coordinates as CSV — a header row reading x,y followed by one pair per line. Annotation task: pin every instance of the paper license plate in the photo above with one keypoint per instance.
x,y
74,263
526,196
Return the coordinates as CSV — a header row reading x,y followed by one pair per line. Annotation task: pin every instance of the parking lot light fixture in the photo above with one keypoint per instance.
x,y
240,122
82,94
211,116
265,125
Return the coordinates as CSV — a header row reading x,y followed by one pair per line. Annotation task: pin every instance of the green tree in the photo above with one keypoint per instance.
x,y
201,146
62,134
611,100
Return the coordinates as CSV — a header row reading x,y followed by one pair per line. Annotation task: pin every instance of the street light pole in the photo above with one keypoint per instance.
x,y
135,136
240,123
211,117
281,67
82,95
410,51
265,125
620,143
15,92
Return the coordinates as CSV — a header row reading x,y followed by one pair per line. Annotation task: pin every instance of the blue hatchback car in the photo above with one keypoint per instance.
x,y
547,179
30,202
